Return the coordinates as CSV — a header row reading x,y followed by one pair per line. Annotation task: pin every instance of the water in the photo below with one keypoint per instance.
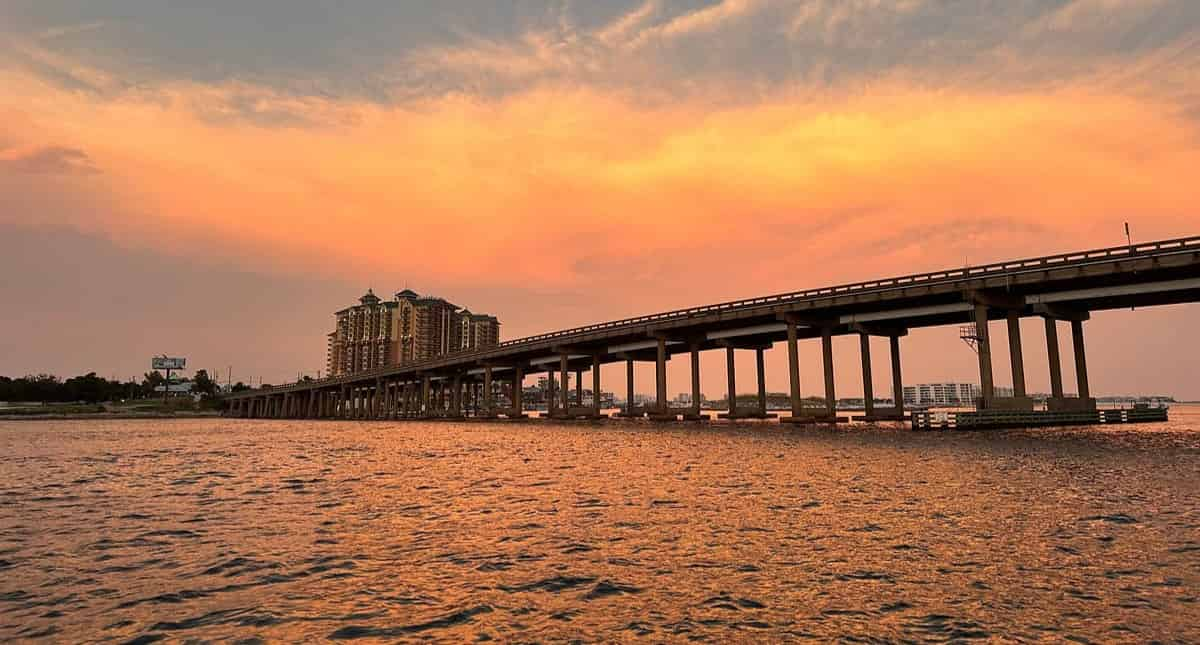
x,y
276,530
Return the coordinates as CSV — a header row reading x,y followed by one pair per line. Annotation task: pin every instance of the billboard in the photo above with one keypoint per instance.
x,y
164,363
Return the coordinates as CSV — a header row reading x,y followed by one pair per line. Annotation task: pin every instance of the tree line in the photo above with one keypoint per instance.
x,y
90,388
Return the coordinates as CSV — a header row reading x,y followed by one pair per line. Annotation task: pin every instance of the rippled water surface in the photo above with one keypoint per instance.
x,y
276,530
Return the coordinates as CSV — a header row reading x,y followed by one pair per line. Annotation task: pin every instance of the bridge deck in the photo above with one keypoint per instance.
x,y
1155,273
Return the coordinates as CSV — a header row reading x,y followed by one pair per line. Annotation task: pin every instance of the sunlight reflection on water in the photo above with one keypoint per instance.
x,y
285,530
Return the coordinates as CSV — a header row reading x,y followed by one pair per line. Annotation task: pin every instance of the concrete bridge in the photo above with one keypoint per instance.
x,y
1064,287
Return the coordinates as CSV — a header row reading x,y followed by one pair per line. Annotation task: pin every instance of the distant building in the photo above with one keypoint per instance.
x,y
941,394
377,333
477,331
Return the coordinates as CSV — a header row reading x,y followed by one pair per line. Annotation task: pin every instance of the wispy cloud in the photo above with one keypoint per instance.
x,y
700,21
61,31
47,160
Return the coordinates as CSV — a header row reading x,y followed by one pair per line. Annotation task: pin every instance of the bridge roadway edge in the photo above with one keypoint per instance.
x,y
1150,274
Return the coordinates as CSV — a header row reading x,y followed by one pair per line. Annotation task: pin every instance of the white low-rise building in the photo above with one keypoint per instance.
x,y
941,394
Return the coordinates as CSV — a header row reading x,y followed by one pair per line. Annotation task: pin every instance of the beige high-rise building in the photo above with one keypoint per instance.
x,y
478,331
377,333
365,337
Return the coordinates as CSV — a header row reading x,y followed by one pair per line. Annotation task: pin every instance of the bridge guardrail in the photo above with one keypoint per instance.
x,y
1013,267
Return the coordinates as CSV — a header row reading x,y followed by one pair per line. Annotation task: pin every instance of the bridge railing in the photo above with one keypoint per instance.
x,y
1014,267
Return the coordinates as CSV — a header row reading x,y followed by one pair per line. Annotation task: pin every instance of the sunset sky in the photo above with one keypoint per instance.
x,y
214,179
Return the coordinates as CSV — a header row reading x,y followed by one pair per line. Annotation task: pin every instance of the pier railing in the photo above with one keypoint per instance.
x,y
998,419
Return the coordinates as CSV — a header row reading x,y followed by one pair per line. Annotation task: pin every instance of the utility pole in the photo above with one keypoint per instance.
x,y
167,385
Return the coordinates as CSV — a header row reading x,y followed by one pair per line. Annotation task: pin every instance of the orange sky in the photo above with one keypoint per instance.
x,y
590,186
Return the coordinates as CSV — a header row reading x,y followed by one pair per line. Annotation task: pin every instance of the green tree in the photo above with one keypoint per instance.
x,y
151,380
89,388
203,384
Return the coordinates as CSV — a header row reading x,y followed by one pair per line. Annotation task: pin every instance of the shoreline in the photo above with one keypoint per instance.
x,y
67,416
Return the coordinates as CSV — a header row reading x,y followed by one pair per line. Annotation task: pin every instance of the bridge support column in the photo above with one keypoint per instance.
x,y
488,405
518,394
794,370
397,397
377,399
827,363
564,394
385,407
1016,356
1081,375
660,377
864,345
1052,355
897,379
579,388
423,407
595,385
695,412
629,387
987,390
551,392
731,377
456,397
762,381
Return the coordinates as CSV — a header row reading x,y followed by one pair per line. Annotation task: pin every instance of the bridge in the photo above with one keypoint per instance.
x,y
487,383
